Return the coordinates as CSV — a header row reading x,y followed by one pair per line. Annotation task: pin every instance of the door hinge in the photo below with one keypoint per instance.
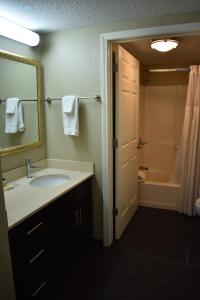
x,y
115,212
115,143
114,67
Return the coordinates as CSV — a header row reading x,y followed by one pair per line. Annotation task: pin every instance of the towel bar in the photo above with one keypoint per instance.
x,y
95,97
49,99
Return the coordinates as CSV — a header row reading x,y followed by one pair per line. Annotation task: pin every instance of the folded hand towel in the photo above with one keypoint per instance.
x,y
70,119
14,121
11,105
68,103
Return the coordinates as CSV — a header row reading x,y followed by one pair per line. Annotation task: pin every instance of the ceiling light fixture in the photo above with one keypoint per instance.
x,y
164,45
18,33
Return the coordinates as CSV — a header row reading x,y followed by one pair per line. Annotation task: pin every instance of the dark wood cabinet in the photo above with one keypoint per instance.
x,y
43,245
30,245
72,217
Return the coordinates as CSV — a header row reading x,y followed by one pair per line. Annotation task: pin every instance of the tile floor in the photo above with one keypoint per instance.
x,y
157,258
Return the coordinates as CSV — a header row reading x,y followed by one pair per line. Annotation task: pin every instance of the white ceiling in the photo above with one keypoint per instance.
x,y
53,15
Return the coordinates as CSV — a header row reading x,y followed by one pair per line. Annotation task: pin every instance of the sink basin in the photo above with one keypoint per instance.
x,y
49,180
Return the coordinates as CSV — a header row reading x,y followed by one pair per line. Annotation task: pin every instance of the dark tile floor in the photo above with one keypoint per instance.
x,y
157,258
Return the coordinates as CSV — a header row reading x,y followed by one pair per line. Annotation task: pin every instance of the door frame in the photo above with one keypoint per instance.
x,y
107,109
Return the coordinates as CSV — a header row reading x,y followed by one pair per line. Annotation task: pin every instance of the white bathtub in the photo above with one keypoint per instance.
x,y
156,191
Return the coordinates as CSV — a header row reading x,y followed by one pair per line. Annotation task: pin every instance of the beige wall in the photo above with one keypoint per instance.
x,y
71,61
71,66
14,161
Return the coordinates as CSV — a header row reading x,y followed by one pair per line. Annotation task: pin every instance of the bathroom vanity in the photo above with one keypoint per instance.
x,y
45,241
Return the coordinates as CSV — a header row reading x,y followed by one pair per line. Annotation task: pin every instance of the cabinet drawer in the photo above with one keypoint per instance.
x,y
36,275
30,235
31,275
39,263
31,253
40,291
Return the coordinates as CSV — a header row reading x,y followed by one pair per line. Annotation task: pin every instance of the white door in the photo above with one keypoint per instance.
x,y
126,132
6,280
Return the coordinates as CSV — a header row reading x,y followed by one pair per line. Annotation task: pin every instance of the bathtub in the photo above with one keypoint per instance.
x,y
156,191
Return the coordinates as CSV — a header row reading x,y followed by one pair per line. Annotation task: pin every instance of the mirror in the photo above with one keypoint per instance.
x,y
21,118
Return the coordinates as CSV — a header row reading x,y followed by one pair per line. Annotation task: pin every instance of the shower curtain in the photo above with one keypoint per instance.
x,y
188,162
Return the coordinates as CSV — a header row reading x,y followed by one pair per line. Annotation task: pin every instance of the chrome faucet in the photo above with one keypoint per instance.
x,y
29,168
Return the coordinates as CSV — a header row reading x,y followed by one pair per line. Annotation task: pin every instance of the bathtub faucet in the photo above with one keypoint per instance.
x,y
143,168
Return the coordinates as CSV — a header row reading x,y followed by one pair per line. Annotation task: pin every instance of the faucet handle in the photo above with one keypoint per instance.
x,y
28,163
28,160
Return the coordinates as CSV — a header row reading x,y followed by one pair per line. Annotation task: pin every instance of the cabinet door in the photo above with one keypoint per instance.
x,y
72,221
85,223
80,204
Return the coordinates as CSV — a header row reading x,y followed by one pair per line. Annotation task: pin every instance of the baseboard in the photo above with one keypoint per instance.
x,y
158,205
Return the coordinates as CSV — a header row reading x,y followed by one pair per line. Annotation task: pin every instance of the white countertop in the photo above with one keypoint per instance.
x,y
24,200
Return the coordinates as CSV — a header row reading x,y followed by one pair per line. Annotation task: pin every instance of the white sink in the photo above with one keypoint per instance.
x,y
49,180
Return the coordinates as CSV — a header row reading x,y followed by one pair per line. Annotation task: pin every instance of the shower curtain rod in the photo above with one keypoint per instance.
x,y
169,70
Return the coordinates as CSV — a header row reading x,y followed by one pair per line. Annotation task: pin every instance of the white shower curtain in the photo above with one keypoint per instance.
x,y
189,161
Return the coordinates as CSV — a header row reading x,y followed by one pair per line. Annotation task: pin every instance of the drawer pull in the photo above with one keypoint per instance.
x,y
39,289
36,256
76,219
80,216
34,228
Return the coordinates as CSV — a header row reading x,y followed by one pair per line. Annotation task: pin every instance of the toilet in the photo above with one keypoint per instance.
x,y
197,206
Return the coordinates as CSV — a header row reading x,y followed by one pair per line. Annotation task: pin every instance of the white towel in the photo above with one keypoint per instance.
x,y
14,116
71,117
11,104
68,103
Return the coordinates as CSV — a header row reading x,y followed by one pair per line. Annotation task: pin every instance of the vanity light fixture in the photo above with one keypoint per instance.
x,y
164,45
18,33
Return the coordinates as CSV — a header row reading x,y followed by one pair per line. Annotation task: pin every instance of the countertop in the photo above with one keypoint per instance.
x,y
24,200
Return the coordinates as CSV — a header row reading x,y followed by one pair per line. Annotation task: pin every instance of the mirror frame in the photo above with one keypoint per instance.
x,y
37,65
